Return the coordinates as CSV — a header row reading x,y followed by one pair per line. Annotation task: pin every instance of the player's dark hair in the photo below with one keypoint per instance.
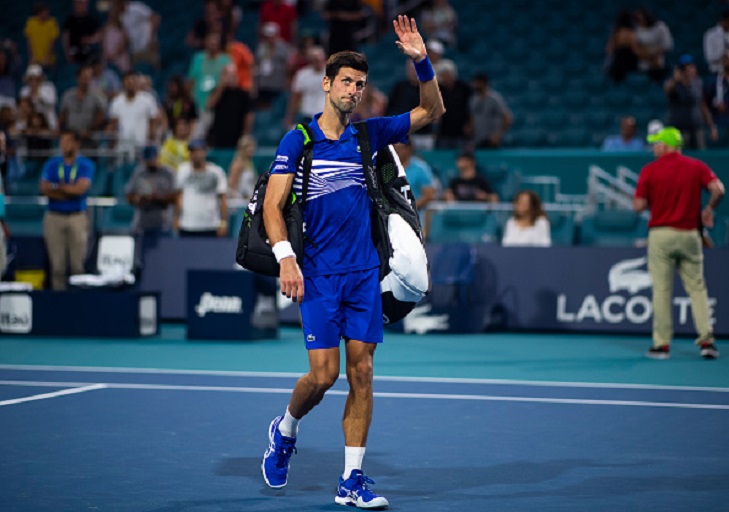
x,y
346,59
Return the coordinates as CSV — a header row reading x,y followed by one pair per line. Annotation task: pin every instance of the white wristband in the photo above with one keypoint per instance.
x,y
283,250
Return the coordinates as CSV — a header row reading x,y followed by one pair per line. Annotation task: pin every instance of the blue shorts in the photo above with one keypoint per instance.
x,y
342,305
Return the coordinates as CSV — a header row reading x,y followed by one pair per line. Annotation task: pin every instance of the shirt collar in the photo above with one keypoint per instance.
x,y
349,131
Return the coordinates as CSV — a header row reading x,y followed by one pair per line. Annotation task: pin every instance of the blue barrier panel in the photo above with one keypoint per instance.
x,y
82,313
167,260
572,289
230,305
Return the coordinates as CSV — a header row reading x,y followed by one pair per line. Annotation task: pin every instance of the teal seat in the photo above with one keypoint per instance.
x,y
25,219
469,226
613,228
221,157
562,228
29,183
120,177
117,219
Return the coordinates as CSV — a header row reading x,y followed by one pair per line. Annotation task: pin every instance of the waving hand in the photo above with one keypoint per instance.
x,y
410,41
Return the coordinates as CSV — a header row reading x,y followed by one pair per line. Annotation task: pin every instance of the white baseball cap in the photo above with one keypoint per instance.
x,y
654,126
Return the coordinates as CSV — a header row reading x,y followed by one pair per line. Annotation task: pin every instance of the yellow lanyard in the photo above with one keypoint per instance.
x,y
61,173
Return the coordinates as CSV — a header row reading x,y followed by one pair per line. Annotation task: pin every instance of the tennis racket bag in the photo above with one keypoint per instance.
x,y
396,231
254,249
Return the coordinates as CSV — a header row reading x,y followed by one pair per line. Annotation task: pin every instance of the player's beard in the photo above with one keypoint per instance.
x,y
345,107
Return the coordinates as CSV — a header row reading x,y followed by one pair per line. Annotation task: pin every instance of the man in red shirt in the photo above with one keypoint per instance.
x,y
283,15
671,188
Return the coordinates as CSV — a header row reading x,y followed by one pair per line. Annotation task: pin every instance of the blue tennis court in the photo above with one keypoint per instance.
x,y
490,422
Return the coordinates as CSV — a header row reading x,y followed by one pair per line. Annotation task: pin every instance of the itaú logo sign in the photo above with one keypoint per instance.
x,y
624,276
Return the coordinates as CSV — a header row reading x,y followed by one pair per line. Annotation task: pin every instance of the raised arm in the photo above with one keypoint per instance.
x,y
411,44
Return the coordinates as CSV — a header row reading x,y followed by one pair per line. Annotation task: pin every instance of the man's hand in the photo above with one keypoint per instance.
x,y
410,43
292,282
707,217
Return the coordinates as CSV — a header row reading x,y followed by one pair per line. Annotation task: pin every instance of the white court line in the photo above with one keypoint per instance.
x,y
434,380
64,392
418,396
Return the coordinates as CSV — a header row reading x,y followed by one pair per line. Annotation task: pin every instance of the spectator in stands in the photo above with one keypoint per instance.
x,y
133,116
299,55
151,189
38,138
41,32
372,104
245,63
105,80
654,41
455,125
687,109
528,224
282,14
42,93
232,15
66,180
4,230
622,47
716,43
83,109
203,77
627,139
307,96
271,58
81,34
115,42
419,174
671,188
9,69
178,103
212,21
242,175
441,21
24,112
344,18
436,50
201,209
468,185
174,150
140,23
490,115
716,95
404,97
232,111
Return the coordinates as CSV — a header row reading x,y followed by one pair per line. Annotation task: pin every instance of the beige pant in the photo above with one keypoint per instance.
x,y
669,249
66,239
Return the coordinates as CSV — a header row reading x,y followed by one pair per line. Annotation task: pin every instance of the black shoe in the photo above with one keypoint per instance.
x,y
708,350
662,352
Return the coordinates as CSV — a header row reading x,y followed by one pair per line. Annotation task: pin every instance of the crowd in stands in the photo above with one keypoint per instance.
x,y
115,107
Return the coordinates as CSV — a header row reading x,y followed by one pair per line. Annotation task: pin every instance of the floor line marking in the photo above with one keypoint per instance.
x,y
44,396
382,378
380,394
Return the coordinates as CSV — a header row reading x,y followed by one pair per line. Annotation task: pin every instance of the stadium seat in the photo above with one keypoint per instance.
x,y
469,226
120,177
613,228
25,219
117,219
562,228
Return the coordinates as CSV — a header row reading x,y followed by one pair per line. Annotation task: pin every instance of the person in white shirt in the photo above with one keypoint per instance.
x,y
140,23
716,43
42,94
202,207
528,225
133,115
307,96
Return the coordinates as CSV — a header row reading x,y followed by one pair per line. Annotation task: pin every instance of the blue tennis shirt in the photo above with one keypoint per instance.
x,y
55,171
337,212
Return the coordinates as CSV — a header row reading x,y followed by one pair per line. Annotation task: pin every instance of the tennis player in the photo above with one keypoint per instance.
x,y
338,284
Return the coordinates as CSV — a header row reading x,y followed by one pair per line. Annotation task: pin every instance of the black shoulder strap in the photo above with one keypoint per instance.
x,y
374,184
306,158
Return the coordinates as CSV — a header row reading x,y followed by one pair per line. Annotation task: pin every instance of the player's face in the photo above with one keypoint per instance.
x,y
345,91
